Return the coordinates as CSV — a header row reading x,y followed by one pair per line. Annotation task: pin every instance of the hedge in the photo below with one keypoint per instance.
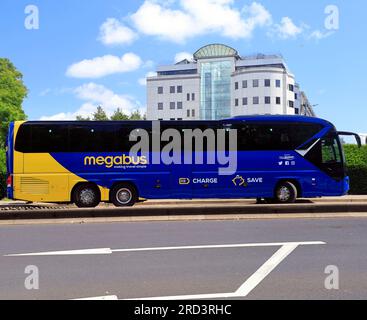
x,y
2,185
356,159
2,174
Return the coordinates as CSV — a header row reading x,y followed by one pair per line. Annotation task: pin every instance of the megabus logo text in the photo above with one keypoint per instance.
x,y
110,161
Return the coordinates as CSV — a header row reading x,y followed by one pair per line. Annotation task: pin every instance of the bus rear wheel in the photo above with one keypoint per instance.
x,y
123,195
286,192
86,196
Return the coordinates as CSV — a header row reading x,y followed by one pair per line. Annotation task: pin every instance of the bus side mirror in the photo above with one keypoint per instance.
x,y
355,135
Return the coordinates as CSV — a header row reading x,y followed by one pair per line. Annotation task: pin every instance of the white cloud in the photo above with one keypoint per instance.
x,y
257,16
319,35
103,66
287,29
143,81
182,56
113,32
45,92
195,18
94,95
149,64
155,20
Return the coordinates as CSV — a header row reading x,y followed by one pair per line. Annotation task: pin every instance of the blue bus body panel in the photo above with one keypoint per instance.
x,y
256,175
10,157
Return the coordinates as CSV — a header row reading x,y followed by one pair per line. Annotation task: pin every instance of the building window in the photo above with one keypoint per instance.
x,y
193,112
244,84
267,82
172,119
160,119
188,113
172,89
179,105
236,102
277,83
267,100
179,119
244,101
172,105
160,90
277,100
160,106
188,97
291,104
255,83
236,85
255,100
193,97
291,87
296,96
296,111
179,89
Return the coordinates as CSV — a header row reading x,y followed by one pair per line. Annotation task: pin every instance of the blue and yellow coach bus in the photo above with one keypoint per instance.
x,y
278,157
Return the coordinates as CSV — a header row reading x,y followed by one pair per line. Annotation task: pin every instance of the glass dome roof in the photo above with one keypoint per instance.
x,y
215,50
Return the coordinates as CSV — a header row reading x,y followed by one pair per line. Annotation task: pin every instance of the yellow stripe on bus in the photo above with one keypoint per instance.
x,y
33,180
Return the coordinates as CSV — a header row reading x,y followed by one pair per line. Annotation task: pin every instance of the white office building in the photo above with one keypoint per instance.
x,y
363,137
218,83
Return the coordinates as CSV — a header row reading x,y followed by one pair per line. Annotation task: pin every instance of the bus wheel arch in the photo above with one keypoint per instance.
x,y
287,191
297,184
86,195
124,194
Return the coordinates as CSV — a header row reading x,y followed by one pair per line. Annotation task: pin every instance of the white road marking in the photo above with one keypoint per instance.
x,y
220,246
265,269
248,285
286,248
64,253
100,298
110,251
208,296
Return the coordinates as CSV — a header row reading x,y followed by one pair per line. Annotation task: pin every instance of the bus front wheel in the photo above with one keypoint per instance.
x,y
286,192
86,196
123,195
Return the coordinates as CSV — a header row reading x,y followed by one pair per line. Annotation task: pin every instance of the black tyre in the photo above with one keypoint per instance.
x,y
286,192
123,195
86,195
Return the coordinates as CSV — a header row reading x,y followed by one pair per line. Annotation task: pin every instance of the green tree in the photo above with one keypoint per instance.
x,y
81,118
100,114
12,93
119,115
136,115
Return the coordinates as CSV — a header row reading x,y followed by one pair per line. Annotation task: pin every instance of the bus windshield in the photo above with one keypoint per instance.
x,y
328,155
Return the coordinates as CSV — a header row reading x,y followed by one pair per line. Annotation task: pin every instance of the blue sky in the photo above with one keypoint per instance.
x,y
122,41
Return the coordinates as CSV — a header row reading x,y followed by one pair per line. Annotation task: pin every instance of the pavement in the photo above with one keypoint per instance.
x,y
183,210
344,199
246,259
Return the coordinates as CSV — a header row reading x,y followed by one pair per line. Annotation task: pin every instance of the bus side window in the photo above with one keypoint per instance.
x,y
49,138
23,139
123,131
330,150
92,138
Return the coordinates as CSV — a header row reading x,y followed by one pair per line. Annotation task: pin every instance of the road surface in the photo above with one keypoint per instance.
x,y
249,259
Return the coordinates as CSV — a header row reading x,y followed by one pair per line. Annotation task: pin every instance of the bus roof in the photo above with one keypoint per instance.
x,y
260,118
281,118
